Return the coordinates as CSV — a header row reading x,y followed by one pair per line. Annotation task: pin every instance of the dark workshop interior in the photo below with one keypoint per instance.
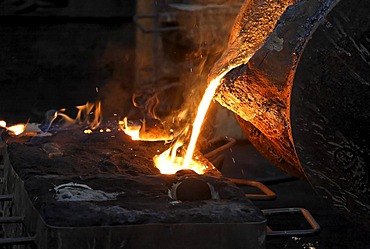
x,y
101,103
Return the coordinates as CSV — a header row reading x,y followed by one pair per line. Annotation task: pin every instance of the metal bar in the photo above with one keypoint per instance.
x,y
214,153
16,241
267,195
6,198
315,227
15,219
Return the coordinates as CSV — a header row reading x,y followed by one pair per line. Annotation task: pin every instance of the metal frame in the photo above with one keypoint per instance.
x,y
315,227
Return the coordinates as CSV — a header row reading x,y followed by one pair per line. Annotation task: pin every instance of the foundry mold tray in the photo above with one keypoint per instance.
x,y
142,215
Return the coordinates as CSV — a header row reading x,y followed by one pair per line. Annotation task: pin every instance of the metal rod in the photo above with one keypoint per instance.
x,y
16,241
6,198
230,143
267,195
15,219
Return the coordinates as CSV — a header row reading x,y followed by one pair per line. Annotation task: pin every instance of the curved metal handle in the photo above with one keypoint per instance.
x,y
315,227
215,156
267,195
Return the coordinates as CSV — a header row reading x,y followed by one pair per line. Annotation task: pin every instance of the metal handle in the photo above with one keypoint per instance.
x,y
315,227
267,195
215,153
215,156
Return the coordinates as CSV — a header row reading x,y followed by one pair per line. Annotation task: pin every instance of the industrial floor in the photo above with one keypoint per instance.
x,y
243,161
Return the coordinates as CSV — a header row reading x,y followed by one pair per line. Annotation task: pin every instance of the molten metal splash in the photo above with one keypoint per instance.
x,y
169,163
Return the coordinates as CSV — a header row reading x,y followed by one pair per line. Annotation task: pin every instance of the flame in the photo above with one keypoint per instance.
x,y
89,114
168,162
138,131
16,129
132,130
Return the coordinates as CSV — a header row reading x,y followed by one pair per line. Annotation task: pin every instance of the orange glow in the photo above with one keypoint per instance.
x,y
88,131
169,163
132,130
89,114
15,130
138,131
197,125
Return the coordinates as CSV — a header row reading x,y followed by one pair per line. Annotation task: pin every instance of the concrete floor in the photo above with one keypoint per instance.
x,y
243,161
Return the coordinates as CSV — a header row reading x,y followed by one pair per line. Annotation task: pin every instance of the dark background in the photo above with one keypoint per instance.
x,y
56,54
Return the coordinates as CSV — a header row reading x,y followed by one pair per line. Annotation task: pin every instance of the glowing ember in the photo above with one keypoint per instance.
x,y
88,131
15,130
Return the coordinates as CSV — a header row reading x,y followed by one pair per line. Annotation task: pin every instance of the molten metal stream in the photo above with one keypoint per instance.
x,y
202,110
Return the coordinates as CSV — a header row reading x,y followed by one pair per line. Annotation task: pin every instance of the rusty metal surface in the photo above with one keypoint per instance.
x,y
259,92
